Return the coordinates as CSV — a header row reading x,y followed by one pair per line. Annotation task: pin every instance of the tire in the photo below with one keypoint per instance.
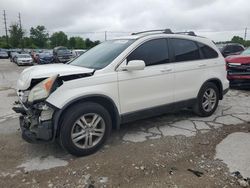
x,y
77,132
205,107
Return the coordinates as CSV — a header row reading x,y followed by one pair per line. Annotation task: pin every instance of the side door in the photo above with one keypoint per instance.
x,y
189,68
151,87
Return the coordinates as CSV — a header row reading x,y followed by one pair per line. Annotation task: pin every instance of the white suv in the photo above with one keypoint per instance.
x,y
120,80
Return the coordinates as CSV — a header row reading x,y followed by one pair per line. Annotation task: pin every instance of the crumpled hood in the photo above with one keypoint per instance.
x,y
45,71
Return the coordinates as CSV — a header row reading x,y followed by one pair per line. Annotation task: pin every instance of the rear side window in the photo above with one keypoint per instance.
x,y
237,48
153,52
185,50
207,51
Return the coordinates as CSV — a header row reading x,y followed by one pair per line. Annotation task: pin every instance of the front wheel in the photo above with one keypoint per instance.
x,y
85,128
207,100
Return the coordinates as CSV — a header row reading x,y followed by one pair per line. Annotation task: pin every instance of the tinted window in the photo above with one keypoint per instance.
x,y
207,51
152,52
228,48
237,48
185,50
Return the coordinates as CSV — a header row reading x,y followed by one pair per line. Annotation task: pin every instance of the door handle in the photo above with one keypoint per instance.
x,y
166,70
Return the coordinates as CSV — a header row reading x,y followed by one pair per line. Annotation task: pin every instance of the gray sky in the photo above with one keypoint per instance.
x,y
216,19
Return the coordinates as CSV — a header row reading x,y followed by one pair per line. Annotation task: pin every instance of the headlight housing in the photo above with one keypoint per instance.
x,y
42,90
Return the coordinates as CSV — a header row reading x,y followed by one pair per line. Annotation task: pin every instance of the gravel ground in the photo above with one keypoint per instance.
x,y
173,150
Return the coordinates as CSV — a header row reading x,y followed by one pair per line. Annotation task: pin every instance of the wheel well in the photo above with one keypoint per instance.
x,y
218,85
104,101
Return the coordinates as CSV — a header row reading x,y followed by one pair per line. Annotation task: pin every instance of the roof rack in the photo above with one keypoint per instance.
x,y
165,31
191,33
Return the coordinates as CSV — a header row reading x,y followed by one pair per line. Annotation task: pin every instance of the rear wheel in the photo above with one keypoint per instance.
x,y
85,128
207,100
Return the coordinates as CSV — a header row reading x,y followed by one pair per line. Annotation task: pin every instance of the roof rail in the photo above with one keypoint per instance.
x,y
165,31
191,33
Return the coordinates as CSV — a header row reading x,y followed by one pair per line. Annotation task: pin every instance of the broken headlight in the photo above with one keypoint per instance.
x,y
42,90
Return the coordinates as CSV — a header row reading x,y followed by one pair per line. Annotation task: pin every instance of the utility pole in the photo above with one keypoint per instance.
x,y
20,25
105,35
5,23
245,36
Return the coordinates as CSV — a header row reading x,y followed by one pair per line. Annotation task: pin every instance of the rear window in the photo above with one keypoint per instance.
x,y
185,50
207,51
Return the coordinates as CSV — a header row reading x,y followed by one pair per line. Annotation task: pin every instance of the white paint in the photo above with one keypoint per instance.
x,y
201,125
215,125
228,120
138,136
234,150
244,117
174,131
39,163
184,124
154,130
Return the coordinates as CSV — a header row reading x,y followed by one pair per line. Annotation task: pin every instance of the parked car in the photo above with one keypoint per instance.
x,y
45,58
23,59
238,69
78,52
119,81
4,54
62,54
230,49
13,56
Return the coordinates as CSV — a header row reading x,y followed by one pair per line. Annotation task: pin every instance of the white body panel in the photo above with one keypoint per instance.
x,y
146,88
136,90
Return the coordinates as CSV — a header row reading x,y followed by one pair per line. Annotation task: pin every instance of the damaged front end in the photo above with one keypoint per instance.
x,y
35,122
37,119
36,115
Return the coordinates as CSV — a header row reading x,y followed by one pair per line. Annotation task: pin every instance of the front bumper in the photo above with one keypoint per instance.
x,y
243,83
34,128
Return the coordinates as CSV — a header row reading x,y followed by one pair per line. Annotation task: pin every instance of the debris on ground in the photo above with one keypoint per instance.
x,y
195,172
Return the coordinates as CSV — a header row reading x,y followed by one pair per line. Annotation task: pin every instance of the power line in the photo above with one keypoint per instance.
x,y
5,24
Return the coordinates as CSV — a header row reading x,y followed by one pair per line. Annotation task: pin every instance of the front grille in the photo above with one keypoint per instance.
x,y
238,69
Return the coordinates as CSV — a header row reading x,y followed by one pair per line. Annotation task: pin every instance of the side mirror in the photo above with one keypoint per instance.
x,y
134,65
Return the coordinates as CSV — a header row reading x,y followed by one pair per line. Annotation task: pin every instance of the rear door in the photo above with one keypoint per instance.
x,y
151,87
189,68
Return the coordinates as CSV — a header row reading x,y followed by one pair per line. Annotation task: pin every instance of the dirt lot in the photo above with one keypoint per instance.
x,y
166,151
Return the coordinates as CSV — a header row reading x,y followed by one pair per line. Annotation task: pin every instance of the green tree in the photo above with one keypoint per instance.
x,y
39,36
80,43
58,39
237,39
90,44
16,35
72,42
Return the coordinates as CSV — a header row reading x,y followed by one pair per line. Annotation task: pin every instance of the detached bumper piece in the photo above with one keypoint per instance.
x,y
35,128
41,133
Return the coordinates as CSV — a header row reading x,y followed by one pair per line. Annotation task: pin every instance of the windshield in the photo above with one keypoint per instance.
x,y
246,52
23,56
220,46
63,52
102,55
47,54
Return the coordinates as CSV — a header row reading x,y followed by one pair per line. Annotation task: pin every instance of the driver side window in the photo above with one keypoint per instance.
x,y
153,52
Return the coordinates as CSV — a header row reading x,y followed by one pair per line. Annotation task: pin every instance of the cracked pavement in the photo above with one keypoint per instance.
x,y
154,152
